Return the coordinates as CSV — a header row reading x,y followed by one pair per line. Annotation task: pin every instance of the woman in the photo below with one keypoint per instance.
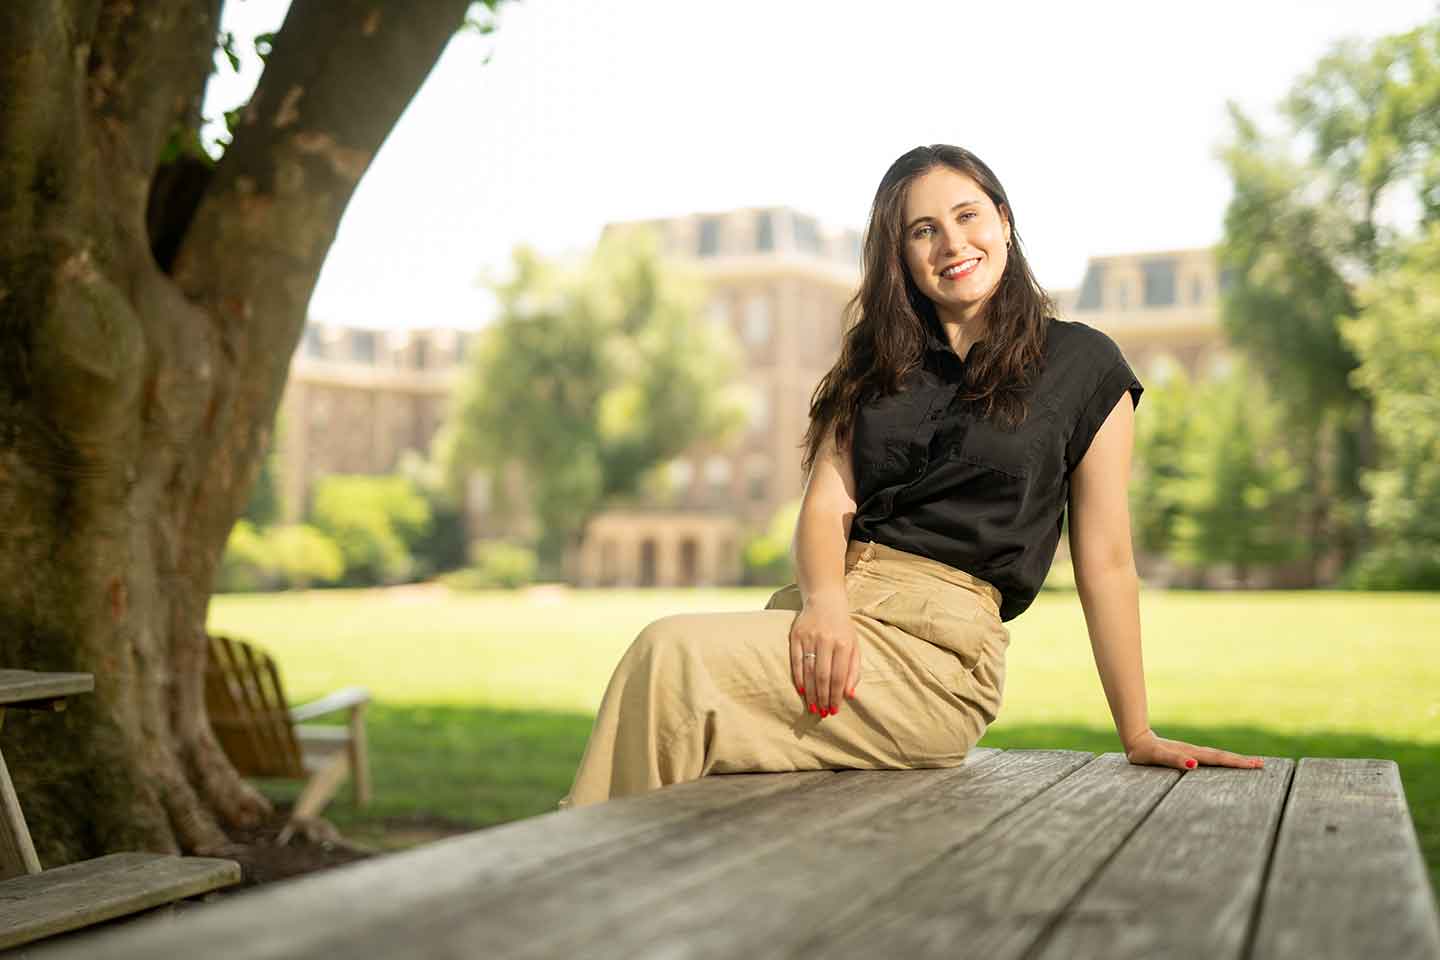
x,y
944,446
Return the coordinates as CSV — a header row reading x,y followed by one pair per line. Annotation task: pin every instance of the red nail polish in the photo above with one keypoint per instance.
x,y
812,709
1190,764
801,688
835,709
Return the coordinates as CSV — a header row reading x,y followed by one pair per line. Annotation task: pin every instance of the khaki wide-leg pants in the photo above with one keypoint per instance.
x,y
703,693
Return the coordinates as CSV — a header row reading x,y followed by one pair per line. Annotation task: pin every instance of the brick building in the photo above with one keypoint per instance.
x,y
358,398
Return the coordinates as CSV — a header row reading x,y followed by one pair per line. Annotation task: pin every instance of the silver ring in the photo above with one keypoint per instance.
x,y
807,656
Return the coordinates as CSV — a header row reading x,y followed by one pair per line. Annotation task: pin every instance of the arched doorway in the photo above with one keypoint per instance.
x,y
689,562
647,562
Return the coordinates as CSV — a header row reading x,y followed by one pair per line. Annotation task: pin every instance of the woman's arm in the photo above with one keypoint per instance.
x,y
1109,588
823,625
1105,568
823,528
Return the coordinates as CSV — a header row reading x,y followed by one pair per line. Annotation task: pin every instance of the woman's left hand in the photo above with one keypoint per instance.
x,y
1148,748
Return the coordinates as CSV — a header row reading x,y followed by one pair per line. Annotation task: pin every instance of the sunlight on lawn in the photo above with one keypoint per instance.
x,y
1298,662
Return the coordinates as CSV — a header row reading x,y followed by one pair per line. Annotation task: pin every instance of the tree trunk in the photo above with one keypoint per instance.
x,y
139,374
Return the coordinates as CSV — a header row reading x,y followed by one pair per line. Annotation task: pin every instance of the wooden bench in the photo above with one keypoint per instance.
x,y
68,898
36,903
1015,853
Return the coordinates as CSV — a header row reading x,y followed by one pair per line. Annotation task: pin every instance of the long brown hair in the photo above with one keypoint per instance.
x,y
885,321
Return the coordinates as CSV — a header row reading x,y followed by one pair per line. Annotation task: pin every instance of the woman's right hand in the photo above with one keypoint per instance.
x,y
824,628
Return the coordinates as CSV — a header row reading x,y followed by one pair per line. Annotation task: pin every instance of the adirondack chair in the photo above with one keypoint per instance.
x,y
265,737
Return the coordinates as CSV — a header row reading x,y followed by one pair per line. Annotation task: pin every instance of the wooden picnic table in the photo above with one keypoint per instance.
x,y
1015,853
36,903
27,689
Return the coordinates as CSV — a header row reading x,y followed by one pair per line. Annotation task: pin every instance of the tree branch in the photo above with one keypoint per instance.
x,y
338,77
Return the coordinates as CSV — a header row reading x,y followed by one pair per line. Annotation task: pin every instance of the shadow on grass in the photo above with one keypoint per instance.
x,y
439,770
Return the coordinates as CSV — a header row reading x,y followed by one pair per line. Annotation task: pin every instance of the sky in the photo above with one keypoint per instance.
x,y
1102,120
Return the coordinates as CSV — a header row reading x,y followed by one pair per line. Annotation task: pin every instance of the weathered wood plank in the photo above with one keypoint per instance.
x,y
17,851
993,897
965,860
1347,879
80,894
787,892
17,686
521,919
1186,884
537,917
419,889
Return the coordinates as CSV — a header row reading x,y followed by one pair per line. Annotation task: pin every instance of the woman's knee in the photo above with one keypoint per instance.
x,y
662,634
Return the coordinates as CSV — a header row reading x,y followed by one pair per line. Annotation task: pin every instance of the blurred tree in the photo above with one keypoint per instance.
x,y
495,565
301,555
768,558
264,506
375,520
279,557
590,378
245,566
443,544
1300,233
1157,488
1237,486
150,300
1397,338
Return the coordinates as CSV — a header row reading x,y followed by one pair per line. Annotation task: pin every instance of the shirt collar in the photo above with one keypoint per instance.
x,y
934,341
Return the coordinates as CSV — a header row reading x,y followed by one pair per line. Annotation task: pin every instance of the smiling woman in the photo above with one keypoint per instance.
x,y
960,422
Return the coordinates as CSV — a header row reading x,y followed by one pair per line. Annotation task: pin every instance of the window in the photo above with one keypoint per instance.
x,y
1159,281
757,319
313,345
1122,295
759,408
320,408
807,234
422,352
1197,290
1090,289
709,236
764,231
609,562
757,478
1227,278
759,487
362,346
717,312
682,474
717,473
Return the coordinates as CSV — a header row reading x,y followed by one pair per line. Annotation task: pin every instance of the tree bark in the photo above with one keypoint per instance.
x,y
136,399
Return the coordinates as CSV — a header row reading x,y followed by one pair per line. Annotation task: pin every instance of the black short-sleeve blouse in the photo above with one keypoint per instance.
x,y
934,478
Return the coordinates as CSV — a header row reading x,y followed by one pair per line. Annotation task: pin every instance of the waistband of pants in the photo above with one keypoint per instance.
x,y
867,550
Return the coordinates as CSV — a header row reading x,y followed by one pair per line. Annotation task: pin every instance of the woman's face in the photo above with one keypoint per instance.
x,y
949,220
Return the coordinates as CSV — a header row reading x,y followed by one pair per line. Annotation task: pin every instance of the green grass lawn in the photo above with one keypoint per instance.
x,y
483,702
